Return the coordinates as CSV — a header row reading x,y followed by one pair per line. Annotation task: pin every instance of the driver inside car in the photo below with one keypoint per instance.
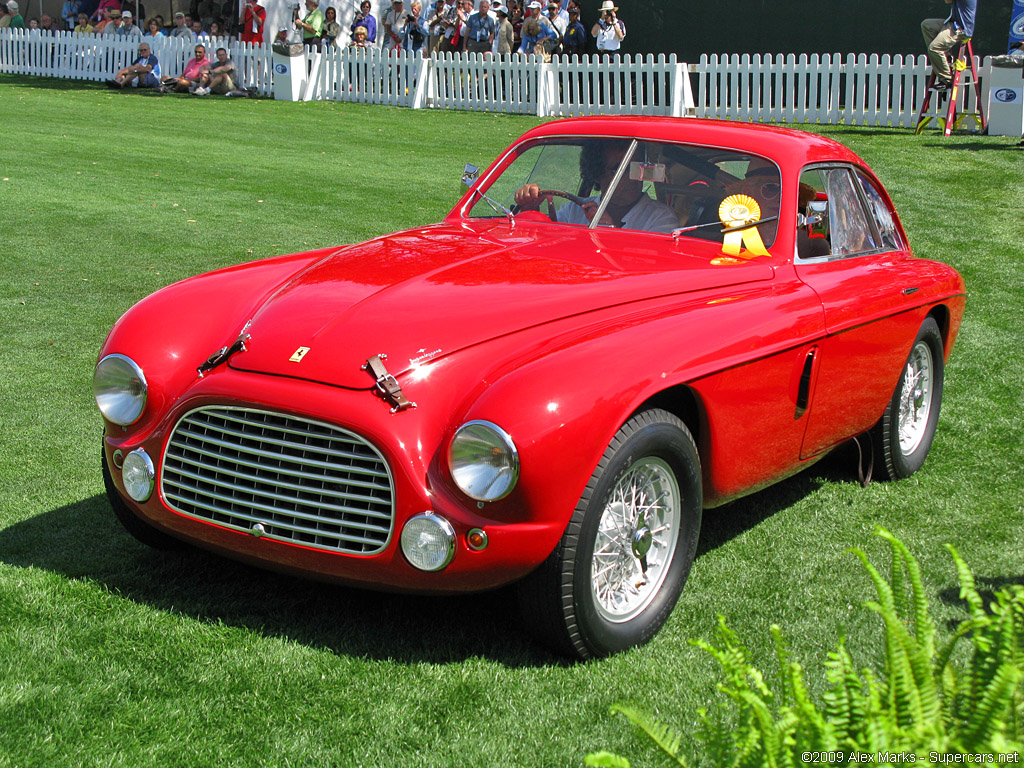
x,y
628,208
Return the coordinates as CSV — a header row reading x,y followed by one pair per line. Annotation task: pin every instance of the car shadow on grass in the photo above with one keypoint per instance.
x,y
84,541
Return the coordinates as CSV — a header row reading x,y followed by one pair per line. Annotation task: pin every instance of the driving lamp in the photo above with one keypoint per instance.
x,y
428,541
138,475
119,387
484,461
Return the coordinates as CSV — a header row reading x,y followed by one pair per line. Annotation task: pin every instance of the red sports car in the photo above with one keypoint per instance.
x,y
624,321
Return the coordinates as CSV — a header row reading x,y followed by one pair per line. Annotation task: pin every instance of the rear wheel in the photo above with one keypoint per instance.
x,y
905,432
620,566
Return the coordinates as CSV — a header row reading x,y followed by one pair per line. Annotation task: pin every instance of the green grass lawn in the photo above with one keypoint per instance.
x,y
115,655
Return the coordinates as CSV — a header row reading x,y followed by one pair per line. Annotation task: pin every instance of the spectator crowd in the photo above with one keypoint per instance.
x,y
491,27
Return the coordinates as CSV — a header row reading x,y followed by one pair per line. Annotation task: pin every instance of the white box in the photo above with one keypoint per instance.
x,y
1005,107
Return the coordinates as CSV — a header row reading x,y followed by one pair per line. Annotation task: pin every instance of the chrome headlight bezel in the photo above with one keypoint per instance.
x,y
138,474
120,389
442,532
483,461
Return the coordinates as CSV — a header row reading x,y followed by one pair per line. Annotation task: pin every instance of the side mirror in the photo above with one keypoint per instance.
x,y
470,174
818,208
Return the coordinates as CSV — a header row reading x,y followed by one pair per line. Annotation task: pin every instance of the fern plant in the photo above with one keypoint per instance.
x,y
919,702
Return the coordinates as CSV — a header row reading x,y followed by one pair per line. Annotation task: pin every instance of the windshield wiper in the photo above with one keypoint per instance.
x,y
725,227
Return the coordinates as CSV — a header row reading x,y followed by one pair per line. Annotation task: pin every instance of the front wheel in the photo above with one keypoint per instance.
x,y
905,432
620,566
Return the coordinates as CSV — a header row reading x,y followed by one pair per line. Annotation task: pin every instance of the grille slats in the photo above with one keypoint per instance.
x,y
265,499
280,484
277,454
305,482
286,471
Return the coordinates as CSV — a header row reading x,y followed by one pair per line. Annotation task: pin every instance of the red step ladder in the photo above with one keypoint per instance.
x,y
963,57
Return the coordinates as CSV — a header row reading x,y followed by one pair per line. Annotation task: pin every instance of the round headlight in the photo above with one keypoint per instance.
x,y
138,475
428,541
119,387
484,461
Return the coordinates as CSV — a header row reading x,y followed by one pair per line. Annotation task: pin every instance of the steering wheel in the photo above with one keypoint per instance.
x,y
549,193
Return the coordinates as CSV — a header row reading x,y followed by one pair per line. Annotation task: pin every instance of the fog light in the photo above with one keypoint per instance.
x,y
138,475
428,542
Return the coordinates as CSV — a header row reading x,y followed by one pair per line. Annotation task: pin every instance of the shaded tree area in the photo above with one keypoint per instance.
x,y
689,29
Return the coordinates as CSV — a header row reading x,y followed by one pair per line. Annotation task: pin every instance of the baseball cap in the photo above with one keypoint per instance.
x,y
126,14
12,7
534,4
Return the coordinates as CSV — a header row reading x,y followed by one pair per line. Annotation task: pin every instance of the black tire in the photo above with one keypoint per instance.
x,y
560,600
136,526
904,435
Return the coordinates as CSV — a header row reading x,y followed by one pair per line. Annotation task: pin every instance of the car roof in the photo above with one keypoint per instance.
x,y
789,147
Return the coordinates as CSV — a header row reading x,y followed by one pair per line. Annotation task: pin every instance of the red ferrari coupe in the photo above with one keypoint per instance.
x,y
623,321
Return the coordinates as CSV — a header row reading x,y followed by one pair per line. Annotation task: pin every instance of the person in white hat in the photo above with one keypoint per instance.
x,y
609,29
129,29
17,20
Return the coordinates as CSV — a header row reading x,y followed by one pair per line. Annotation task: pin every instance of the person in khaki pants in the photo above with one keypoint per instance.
x,y
942,35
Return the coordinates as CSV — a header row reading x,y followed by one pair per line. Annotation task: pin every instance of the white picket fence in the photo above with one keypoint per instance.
x,y
829,89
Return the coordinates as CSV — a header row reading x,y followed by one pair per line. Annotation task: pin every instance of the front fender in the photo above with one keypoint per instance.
x,y
171,332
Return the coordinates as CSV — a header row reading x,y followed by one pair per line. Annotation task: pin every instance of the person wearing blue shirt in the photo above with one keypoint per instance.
x,y
146,68
480,29
70,13
574,41
942,35
365,19
538,31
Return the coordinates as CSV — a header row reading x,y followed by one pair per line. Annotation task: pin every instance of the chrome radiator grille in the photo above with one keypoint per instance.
x,y
299,481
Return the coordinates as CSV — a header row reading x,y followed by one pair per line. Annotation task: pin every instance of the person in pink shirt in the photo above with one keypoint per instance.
x,y
193,74
98,15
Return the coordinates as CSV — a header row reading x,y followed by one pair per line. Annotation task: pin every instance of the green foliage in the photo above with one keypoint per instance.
x,y
920,701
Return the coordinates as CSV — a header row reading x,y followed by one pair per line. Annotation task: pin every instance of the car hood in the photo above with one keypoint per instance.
x,y
420,295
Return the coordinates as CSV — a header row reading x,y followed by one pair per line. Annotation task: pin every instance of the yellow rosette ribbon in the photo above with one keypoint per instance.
x,y
737,213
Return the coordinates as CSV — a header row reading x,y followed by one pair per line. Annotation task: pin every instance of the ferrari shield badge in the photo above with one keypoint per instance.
x,y
298,354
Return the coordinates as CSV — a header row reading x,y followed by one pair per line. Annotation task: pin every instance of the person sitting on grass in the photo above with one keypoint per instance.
x,y
146,70
192,77
218,77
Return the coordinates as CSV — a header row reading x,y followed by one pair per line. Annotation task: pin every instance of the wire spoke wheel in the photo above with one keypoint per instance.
x,y
636,539
916,398
904,434
613,579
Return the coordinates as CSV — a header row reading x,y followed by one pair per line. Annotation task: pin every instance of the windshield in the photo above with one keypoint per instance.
x,y
631,184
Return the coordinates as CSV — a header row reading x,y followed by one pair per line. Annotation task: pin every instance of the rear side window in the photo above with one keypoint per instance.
x,y
882,214
836,223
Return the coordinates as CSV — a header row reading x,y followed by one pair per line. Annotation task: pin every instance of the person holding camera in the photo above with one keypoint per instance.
x,y
414,33
365,20
253,19
312,24
609,30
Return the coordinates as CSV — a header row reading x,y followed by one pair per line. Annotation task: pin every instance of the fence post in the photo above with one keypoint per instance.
x,y
423,89
547,88
682,94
